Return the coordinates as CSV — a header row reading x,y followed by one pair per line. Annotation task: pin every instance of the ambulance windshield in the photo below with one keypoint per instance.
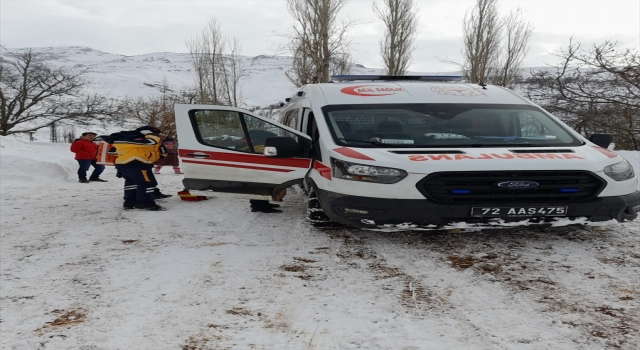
x,y
445,125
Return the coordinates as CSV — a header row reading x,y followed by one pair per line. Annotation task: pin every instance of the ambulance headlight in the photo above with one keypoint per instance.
x,y
620,171
367,173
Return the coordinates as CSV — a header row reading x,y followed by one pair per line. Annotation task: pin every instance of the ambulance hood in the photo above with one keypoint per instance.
x,y
589,158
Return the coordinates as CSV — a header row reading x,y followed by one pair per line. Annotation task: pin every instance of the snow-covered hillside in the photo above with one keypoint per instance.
x,y
78,272
264,81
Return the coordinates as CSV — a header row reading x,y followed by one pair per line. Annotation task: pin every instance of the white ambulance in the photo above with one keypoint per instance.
x,y
384,151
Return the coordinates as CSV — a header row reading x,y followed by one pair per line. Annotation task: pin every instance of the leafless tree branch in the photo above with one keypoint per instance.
x,y
34,94
594,89
319,41
400,18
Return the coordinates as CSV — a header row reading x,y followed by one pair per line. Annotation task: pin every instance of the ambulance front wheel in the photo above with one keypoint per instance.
x,y
315,213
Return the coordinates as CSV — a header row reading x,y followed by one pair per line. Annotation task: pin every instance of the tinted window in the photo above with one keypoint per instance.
x,y
259,131
291,119
225,129
219,128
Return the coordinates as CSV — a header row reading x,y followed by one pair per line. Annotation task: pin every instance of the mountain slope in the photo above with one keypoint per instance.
x,y
118,76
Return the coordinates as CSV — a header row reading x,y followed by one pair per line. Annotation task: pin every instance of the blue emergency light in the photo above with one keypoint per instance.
x,y
397,77
460,191
568,190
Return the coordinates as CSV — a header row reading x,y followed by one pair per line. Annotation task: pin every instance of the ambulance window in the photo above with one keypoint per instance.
x,y
258,132
291,119
219,128
312,131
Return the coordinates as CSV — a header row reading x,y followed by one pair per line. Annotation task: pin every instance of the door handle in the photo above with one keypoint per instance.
x,y
197,155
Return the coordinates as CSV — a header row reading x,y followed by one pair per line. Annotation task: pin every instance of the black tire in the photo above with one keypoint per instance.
x,y
315,213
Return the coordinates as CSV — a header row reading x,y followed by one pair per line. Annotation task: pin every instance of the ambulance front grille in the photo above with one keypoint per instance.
x,y
482,186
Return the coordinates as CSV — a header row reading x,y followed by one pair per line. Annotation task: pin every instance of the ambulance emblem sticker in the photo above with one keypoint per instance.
x,y
457,91
371,90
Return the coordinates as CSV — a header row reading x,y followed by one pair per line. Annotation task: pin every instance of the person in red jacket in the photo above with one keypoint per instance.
x,y
86,151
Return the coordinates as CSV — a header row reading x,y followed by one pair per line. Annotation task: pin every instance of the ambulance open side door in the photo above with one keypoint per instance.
x,y
221,149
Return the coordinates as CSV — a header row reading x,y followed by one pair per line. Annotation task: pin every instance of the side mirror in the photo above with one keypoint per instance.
x,y
602,140
283,147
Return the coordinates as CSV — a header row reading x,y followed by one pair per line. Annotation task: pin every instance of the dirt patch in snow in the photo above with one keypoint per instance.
x,y
65,318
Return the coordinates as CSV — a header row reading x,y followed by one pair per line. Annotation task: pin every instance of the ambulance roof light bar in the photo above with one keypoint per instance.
x,y
337,78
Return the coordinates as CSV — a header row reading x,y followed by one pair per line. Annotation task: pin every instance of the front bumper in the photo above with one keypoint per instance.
x,y
350,210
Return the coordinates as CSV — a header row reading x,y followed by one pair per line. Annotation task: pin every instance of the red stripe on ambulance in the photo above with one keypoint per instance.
x,y
322,169
248,158
605,151
236,166
348,152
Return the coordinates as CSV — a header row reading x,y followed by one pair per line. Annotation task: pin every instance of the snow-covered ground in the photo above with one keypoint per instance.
x,y
78,272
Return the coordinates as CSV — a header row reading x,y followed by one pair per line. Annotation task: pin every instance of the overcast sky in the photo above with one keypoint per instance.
x,y
132,27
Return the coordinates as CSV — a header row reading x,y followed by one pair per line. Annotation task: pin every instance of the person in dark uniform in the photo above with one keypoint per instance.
x,y
137,150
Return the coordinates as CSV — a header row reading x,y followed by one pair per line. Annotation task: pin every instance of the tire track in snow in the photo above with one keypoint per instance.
x,y
555,275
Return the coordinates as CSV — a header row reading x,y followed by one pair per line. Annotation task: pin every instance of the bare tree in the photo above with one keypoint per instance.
x,y
594,90
217,64
319,41
198,57
515,47
232,70
157,109
493,48
214,47
481,41
34,94
302,69
400,18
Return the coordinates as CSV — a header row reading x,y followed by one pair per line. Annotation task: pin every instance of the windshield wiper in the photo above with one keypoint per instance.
x,y
379,142
505,144
363,141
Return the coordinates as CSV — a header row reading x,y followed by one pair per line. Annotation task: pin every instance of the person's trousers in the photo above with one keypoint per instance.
x,y
139,182
84,167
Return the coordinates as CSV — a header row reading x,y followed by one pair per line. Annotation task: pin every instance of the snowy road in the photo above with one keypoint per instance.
x,y
77,272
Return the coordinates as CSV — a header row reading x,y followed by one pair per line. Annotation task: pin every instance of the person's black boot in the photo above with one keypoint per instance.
x,y
159,195
97,179
263,206
151,206
129,206
259,205
83,180
266,210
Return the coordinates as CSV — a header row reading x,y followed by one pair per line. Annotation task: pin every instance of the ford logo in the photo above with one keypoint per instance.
x,y
518,184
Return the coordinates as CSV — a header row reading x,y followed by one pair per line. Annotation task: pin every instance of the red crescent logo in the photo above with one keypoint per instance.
x,y
371,90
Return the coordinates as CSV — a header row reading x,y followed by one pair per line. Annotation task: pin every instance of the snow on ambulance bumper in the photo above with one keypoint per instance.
x,y
367,212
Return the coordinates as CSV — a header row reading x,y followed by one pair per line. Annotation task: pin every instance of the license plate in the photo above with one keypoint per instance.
x,y
517,212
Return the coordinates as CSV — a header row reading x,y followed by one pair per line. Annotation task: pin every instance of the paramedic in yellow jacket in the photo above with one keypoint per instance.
x,y
137,151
